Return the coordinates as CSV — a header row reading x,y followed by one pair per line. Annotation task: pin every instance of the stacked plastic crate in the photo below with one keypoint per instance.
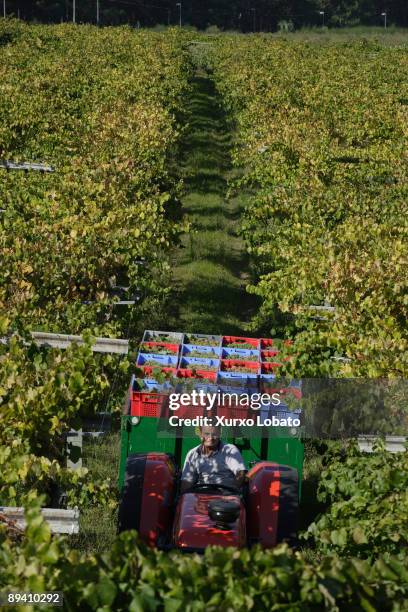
x,y
226,363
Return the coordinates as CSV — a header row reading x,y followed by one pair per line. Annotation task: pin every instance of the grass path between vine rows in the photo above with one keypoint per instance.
x,y
211,268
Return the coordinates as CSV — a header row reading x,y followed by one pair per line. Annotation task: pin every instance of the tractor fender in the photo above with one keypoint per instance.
x,y
272,504
148,494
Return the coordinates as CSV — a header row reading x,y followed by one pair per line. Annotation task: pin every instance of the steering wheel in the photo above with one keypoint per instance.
x,y
203,487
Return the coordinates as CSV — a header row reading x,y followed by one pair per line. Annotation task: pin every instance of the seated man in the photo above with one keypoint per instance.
x,y
213,462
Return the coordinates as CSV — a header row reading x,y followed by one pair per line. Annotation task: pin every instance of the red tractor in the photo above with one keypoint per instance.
x,y
265,512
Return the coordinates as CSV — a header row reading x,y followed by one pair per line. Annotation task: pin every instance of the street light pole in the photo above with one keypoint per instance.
x,y
97,12
385,19
4,9
322,14
179,5
73,11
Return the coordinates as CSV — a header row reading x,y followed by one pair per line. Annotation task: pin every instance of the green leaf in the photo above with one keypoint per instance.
x,y
106,590
173,605
359,536
339,537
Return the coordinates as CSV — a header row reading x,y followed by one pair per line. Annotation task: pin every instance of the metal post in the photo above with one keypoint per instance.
x,y
4,9
322,14
179,5
73,11
385,19
97,12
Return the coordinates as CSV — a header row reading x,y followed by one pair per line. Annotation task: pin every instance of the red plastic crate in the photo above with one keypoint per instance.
x,y
189,412
268,343
269,386
206,375
270,367
145,404
148,370
227,340
295,391
200,374
227,364
174,348
265,354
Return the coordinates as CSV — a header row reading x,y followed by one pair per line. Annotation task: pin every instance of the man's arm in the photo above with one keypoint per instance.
x,y
240,477
236,464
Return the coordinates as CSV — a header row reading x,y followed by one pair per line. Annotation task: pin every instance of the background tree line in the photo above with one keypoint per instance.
x,y
242,15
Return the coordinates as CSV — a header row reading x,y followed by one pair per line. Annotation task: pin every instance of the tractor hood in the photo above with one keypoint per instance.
x,y
194,529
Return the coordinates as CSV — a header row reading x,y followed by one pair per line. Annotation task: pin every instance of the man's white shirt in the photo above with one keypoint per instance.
x,y
219,467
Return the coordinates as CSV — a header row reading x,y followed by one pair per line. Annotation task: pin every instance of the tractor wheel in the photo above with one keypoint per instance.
x,y
288,505
131,499
272,504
